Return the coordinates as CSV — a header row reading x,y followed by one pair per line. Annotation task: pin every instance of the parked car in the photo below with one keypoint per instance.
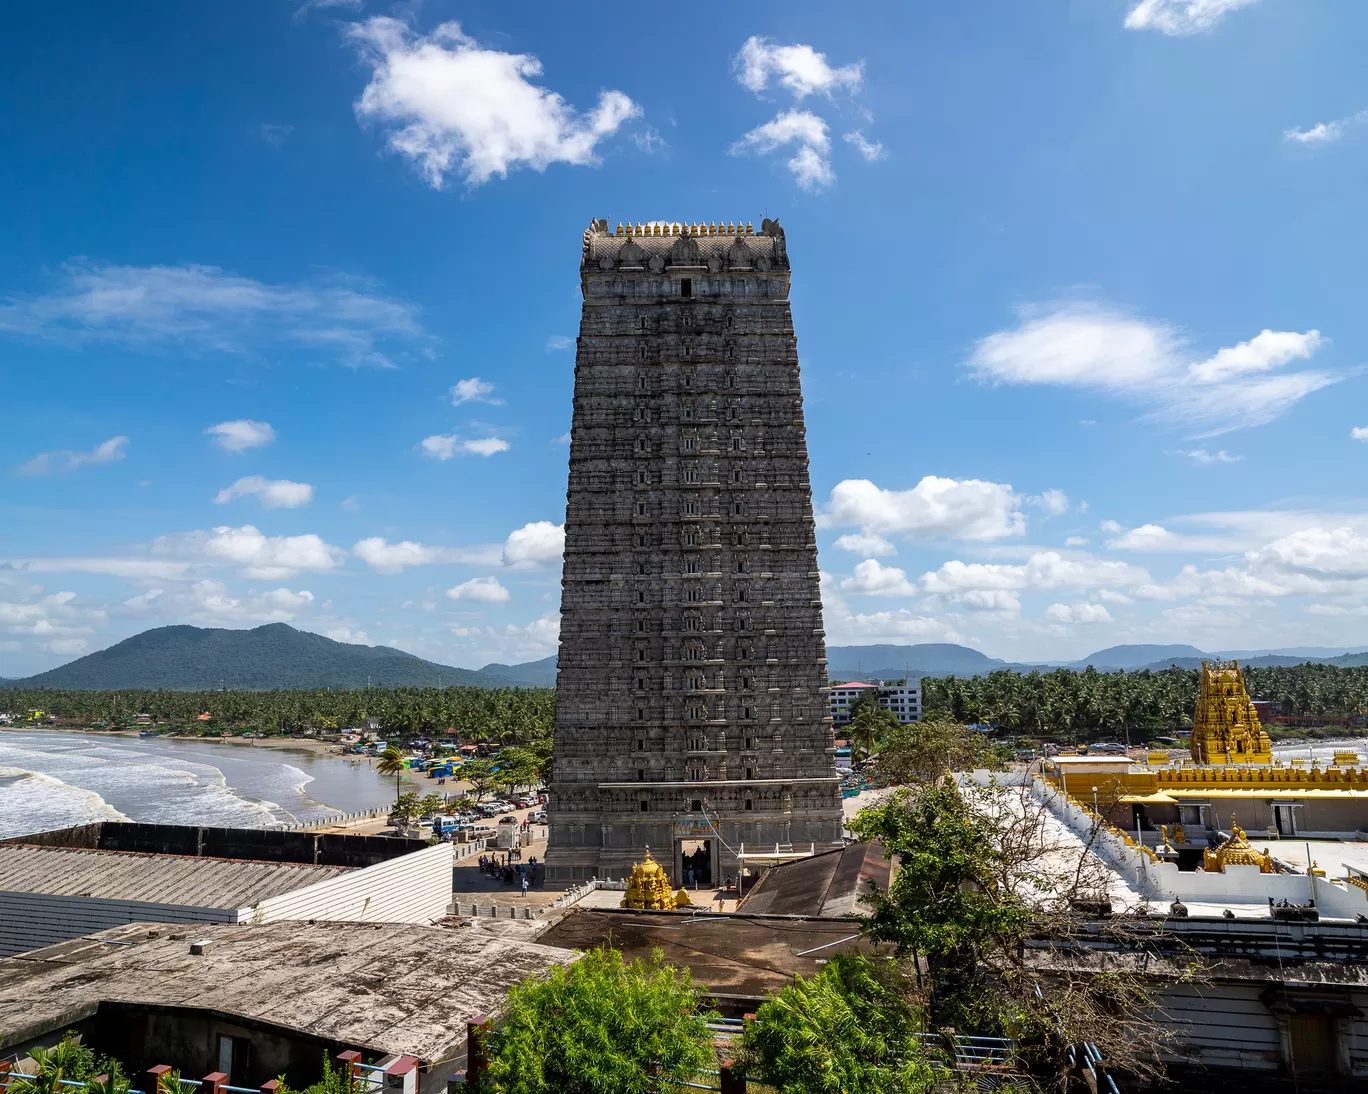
x,y
539,817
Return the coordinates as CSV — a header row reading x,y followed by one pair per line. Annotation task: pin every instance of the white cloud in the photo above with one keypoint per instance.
x,y
257,555
67,646
960,509
866,545
1266,350
274,493
1325,132
351,635
1179,18
31,610
870,150
241,434
1359,433
485,590
350,504
1110,526
1148,537
1201,455
1046,570
446,446
212,603
559,342
1055,503
809,165
800,69
473,390
66,459
1078,613
534,544
1322,552
871,578
453,107
1076,541
394,558
204,308
1147,362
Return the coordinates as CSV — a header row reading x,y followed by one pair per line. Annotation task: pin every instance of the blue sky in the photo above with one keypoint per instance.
x,y
287,291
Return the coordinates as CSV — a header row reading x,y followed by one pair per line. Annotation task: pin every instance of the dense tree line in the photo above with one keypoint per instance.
x,y
510,715
1066,704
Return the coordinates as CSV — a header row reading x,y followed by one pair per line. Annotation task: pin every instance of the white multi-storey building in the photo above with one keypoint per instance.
x,y
904,700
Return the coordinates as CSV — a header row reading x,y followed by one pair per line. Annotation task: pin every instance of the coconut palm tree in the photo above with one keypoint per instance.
x,y
392,763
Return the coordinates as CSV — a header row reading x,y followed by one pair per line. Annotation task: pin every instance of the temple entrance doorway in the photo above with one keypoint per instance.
x,y
696,863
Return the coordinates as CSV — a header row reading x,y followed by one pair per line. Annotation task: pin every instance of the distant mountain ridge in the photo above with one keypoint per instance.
x,y
185,658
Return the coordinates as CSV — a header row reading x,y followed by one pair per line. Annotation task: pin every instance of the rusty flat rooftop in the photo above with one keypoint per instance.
x,y
750,957
381,988
828,884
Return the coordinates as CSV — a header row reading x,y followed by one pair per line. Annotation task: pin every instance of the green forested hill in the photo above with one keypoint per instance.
x,y
275,656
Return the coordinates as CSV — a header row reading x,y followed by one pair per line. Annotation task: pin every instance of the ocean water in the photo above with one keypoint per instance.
x,y
53,780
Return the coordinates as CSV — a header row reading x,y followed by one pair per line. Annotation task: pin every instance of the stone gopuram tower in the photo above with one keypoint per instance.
x,y
691,701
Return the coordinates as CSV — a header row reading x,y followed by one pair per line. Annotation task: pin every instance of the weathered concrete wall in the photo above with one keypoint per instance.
x,y
692,669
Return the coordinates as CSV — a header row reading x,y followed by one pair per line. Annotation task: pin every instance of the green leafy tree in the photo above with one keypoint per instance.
x,y
924,751
407,808
601,1026
869,724
847,1030
69,1061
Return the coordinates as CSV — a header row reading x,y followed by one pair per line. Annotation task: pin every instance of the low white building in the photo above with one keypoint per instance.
x,y
903,700
56,886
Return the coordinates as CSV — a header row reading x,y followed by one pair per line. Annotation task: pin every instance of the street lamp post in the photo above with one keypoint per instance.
x,y
1095,812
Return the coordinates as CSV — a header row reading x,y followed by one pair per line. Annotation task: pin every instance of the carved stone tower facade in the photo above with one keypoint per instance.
x,y
691,701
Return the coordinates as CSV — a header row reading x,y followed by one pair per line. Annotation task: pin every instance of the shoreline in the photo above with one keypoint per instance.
x,y
409,781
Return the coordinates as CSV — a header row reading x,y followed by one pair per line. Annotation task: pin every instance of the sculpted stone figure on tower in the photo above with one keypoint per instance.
x,y
691,698
1225,727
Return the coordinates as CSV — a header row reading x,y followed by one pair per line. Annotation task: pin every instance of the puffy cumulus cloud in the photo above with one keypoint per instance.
x,y
207,309
241,434
538,543
1359,433
1266,350
1180,18
1325,132
962,582
810,164
871,578
1322,552
473,390
395,558
1147,537
273,493
512,642
351,635
32,610
253,553
957,509
446,446
1147,362
799,69
66,459
213,603
1078,613
483,590
859,544
451,106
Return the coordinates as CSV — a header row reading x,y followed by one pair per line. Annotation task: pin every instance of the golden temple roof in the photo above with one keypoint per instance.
x,y
1236,851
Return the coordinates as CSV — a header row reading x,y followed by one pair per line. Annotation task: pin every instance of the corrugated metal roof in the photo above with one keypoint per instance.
x,y
157,879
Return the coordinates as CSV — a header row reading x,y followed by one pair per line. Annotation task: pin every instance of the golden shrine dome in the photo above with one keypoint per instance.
x,y
648,887
1236,851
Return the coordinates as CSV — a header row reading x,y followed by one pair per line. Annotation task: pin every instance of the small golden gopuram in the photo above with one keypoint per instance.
x,y
1225,729
1236,851
648,888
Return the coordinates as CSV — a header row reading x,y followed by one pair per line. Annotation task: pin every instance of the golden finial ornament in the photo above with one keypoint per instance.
x,y
648,887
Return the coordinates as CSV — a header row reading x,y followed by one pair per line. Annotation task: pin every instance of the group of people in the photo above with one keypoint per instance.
x,y
510,870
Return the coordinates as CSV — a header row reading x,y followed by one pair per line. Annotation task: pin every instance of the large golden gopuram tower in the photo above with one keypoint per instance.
x,y
1225,729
